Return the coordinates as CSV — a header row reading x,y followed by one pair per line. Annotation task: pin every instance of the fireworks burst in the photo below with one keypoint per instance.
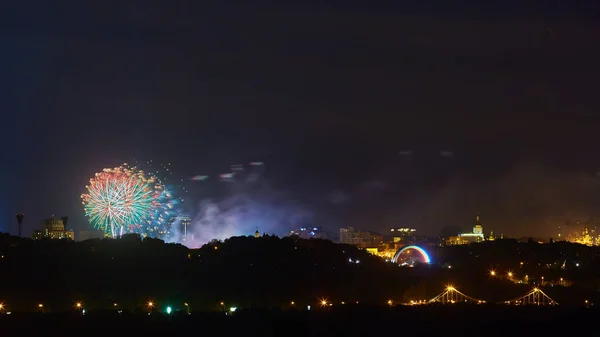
x,y
126,200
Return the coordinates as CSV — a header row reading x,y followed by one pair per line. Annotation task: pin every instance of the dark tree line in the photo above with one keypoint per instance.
x,y
268,272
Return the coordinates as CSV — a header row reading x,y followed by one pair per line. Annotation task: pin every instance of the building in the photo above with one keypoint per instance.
x,y
53,229
308,232
88,235
465,238
403,234
585,238
360,239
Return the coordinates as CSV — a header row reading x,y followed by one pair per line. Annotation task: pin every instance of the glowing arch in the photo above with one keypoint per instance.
x,y
421,251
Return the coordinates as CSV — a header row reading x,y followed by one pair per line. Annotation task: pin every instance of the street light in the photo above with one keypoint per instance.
x,y
150,306
492,273
187,307
1,307
78,306
510,274
41,306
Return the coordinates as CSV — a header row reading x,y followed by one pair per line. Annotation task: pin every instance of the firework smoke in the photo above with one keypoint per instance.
x,y
251,205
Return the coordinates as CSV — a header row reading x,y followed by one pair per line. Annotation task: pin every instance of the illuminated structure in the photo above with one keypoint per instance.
x,y
403,234
360,239
184,223
179,225
466,238
585,238
257,234
404,256
308,232
535,297
53,229
452,295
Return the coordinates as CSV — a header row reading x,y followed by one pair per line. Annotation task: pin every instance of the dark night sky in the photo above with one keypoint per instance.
x,y
326,95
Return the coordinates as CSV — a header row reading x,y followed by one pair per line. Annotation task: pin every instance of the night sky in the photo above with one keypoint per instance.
x,y
398,115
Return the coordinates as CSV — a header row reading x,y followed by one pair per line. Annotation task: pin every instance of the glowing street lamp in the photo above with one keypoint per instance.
x,y
390,302
79,306
150,306
323,302
41,307
510,274
1,307
187,307
492,273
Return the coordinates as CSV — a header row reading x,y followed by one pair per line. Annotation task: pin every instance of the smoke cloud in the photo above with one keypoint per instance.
x,y
251,204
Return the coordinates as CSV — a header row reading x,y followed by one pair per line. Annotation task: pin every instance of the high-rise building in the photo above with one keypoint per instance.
x,y
53,229
360,239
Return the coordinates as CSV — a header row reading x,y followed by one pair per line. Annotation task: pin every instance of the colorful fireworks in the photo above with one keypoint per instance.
x,y
125,200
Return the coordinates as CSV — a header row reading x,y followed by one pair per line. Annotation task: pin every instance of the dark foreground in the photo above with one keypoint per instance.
x,y
418,321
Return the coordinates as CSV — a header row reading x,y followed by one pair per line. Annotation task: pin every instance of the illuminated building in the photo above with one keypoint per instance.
x,y
359,238
404,255
257,234
466,238
374,251
403,234
308,232
585,238
53,229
